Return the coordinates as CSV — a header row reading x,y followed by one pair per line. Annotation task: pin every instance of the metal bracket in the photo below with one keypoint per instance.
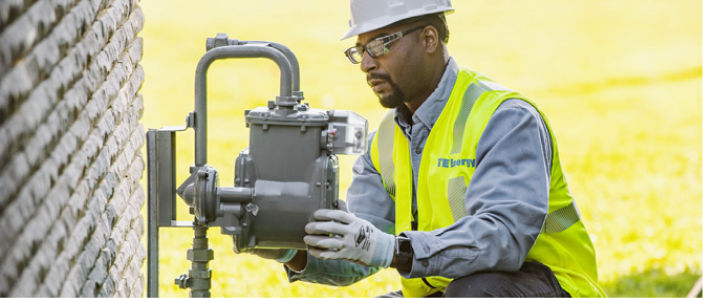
x,y
161,162
190,120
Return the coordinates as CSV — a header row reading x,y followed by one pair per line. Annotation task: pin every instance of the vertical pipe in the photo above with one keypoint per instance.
x,y
200,254
152,209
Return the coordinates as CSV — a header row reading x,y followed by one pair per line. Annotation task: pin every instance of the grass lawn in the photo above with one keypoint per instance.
x,y
619,80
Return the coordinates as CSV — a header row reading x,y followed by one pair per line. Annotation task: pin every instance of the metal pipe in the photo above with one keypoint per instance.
x,y
199,276
152,285
234,209
295,67
224,52
234,194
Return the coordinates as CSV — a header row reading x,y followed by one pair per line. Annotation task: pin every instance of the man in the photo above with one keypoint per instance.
x,y
461,190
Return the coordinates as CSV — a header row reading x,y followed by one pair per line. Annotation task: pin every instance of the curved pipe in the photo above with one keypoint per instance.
x,y
224,52
295,67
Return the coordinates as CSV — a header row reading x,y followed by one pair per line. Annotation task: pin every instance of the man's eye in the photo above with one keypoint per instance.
x,y
376,47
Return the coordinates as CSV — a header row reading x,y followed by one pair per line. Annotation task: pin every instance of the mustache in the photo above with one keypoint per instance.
x,y
381,76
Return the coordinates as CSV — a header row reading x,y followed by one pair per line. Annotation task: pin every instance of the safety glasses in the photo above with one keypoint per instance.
x,y
376,47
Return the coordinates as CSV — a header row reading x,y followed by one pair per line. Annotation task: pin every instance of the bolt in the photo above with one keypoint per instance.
x,y
182,281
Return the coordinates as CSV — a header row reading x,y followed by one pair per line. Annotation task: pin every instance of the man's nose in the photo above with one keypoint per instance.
x,y
368,63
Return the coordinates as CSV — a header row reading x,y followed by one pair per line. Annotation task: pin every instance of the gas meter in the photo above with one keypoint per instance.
x,y
288,171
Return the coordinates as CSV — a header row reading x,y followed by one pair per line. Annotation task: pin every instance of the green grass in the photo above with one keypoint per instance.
x,y
653,282
619,80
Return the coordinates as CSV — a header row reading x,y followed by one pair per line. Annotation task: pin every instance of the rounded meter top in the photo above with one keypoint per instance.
x,y
369,15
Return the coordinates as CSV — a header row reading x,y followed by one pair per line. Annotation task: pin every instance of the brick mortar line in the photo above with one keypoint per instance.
x,y
23,9
136,259
113,168
131,271
12,60
128,82
139,225
136,185
97,215
124,254
108,233
6,101
136,90
69,109
56,82
93,216
136,130
92,131
59,135
136,199
123,85
130,251
77,76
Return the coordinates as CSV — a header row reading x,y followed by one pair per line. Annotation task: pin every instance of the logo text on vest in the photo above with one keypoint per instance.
x,y
451,163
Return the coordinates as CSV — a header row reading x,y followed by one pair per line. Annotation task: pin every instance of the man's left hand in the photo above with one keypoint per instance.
x,y
335,234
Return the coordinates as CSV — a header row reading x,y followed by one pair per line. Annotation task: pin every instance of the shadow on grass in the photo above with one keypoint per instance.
x,y
653,283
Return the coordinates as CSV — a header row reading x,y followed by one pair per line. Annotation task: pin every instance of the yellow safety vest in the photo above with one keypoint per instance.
x,y
446,168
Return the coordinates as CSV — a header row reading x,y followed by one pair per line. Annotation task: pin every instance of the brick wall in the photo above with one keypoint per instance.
x,y
70,139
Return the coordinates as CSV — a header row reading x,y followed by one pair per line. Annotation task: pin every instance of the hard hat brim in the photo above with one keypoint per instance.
x,y
378,23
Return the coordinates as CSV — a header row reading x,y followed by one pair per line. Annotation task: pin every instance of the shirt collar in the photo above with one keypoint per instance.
x,y
429,110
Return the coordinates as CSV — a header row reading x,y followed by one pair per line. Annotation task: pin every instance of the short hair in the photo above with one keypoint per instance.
x,y
436,20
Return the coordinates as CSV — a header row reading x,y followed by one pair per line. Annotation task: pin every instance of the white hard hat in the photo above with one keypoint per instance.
x,y
369,15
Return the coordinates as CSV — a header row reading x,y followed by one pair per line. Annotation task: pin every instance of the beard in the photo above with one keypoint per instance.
x,y
395,98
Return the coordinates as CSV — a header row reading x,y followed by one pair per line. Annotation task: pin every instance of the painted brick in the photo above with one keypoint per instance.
x,y
138,223
23,33
70,142
24,124
137,287
52,286
10,10
60,268
39,184
107,288
122,289
89,289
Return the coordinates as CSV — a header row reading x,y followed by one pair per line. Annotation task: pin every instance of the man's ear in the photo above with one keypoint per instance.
x,y
430,39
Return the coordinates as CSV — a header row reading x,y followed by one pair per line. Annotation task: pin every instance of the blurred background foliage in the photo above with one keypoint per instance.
x,y
619,80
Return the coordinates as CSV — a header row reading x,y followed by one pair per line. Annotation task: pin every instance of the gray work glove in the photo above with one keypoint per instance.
x,y
335,234
280,255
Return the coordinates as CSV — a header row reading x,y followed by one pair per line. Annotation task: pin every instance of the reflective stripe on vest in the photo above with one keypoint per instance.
x,y
563,244
387,128
555,221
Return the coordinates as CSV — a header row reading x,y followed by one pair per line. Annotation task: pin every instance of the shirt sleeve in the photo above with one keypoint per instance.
x,y
330,272
367,199
506,201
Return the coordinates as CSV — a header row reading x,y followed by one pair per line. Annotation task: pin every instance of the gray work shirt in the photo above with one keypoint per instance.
x,y
506,202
